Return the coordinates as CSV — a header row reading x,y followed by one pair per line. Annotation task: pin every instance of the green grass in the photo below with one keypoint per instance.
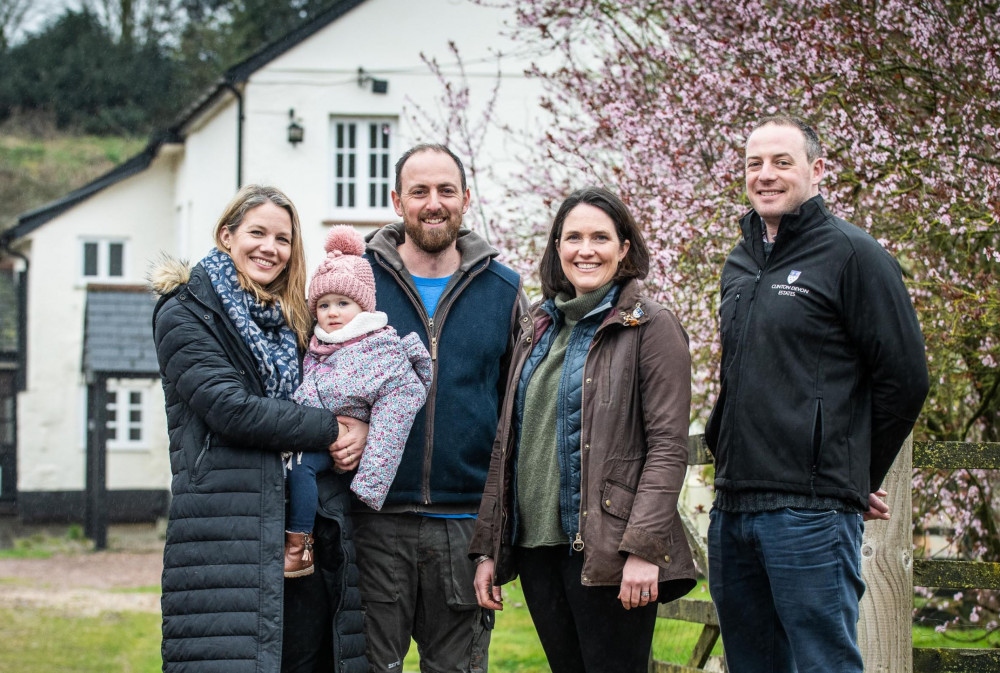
x,y
514,645
40,546
926,636
152,589
43,641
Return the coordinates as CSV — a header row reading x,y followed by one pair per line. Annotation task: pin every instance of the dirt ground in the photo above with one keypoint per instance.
x,y
87,583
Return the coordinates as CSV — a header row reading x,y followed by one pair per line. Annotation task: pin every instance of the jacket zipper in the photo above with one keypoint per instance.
x,y
741,346
433,330
578,542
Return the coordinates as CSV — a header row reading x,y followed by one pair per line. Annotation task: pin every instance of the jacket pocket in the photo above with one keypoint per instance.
x,y
617,499
817,435
202,463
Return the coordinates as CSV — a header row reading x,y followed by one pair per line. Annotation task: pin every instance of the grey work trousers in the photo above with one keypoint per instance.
x,y
416,580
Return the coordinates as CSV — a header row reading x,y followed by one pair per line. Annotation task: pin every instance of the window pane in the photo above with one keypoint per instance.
x,y
115,255
363,164
135,416
135,434
89,259
135,397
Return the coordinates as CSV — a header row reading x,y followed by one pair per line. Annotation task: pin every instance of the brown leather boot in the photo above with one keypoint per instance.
x,y
298,554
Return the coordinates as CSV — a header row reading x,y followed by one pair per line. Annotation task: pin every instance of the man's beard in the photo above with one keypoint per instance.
x,y
436,239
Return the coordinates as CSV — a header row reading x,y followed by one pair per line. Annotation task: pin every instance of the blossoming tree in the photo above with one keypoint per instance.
x,y
654,100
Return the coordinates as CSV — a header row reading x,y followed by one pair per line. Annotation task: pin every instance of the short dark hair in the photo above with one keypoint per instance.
x,y
427,147
635,264
813,148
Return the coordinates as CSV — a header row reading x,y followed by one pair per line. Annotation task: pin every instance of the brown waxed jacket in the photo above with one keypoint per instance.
x,y
634,429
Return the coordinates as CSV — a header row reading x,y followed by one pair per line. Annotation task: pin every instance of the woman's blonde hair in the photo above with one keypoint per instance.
x,y
290,286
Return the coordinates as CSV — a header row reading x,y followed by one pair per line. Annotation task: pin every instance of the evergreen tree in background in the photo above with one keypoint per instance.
x,y
125,67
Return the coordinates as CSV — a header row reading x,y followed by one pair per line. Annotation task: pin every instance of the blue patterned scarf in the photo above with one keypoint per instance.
x,y
263,328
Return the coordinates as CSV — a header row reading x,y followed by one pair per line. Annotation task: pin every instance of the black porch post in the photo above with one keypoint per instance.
x,y
96,527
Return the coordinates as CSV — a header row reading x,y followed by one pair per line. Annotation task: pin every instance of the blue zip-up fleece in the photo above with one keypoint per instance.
x,y
447,454
569,401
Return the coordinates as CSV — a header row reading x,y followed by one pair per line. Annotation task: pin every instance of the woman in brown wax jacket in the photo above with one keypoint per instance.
x,y
591,450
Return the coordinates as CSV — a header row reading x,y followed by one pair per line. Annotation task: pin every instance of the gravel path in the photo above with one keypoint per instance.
x,y
83,584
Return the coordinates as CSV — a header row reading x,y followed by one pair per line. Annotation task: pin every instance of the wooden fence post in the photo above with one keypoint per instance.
x,y
885,627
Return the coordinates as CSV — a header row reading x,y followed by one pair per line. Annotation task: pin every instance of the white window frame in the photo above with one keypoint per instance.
x,y
122,389
103,274
341,154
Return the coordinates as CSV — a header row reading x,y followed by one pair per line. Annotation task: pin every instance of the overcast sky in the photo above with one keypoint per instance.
x,y
40,12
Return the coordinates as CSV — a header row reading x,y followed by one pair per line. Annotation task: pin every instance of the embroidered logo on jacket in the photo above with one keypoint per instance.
x,y
790,290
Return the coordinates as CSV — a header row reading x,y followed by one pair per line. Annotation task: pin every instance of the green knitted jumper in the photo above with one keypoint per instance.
x,y
537,459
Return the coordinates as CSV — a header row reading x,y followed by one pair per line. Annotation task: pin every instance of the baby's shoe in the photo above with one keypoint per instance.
x,y
298,554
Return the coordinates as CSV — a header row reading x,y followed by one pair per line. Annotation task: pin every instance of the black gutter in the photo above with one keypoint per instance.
x,y
239,132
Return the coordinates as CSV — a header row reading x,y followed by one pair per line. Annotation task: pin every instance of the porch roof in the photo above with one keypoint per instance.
x,y
118,332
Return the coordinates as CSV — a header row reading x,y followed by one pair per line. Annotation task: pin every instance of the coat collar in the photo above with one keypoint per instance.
x,y
631,308
472,247
809,215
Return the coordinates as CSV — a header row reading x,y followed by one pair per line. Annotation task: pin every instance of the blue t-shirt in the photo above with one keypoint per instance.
x,y
430,290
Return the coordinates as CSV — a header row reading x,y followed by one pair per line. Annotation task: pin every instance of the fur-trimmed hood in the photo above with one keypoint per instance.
x,y
167,274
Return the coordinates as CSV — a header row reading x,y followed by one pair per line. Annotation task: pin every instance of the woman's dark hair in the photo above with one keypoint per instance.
x,y
635,264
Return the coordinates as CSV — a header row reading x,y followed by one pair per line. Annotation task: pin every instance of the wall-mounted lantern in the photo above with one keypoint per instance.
x,y
378,85
295,131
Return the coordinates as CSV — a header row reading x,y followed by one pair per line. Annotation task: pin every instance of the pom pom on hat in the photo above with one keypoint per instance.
x,y
344,271
346,240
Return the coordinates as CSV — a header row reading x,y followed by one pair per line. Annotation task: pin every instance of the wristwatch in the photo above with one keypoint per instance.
x,y
483,557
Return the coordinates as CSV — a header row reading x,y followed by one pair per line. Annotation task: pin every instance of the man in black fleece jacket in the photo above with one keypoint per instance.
x,y
823,376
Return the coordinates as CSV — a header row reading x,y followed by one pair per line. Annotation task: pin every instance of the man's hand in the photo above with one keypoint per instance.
x,y
346,451
877,508
487,595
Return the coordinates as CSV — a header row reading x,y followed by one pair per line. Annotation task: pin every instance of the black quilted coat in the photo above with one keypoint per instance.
x,y
222,585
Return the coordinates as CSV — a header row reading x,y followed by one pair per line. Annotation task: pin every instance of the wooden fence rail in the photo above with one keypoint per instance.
x,y
885,629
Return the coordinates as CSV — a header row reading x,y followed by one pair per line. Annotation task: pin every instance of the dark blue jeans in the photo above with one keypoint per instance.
x,y
303,497
786,585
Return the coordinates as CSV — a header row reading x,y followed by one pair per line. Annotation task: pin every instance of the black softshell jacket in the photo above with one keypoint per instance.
x,y
823,365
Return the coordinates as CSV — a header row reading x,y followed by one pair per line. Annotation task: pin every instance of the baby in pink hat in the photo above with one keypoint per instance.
x,y
356,366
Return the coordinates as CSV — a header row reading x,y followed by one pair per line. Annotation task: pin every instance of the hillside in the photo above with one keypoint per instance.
x,y
36,170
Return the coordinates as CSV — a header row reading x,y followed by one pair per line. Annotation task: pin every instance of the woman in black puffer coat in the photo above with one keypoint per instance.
x,y
228,334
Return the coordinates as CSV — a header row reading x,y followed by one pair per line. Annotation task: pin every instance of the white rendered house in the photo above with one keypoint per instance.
x,y
323,114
